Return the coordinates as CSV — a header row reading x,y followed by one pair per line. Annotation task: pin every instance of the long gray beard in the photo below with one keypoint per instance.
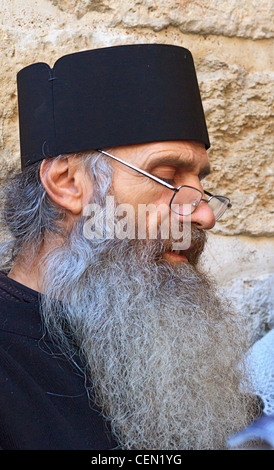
x,y
161,348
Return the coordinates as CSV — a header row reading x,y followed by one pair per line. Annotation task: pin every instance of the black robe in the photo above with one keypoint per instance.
x,y
43,400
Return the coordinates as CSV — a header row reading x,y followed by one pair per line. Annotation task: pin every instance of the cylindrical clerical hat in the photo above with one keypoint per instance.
x,y
109,97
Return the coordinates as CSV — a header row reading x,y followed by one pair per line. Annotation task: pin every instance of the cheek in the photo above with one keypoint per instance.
x,y
141,193
153,215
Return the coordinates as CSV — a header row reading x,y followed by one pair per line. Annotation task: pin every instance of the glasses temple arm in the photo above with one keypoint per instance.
x,y
229,205
143,172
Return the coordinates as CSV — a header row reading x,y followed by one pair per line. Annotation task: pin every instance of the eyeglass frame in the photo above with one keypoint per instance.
x,y
167,185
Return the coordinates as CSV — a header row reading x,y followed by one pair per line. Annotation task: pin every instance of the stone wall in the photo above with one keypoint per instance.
x,y
232,46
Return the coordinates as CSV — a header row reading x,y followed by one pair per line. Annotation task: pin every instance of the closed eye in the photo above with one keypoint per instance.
x,y
172,182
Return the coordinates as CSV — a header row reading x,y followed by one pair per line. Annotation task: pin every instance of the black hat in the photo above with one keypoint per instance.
x,y
109,97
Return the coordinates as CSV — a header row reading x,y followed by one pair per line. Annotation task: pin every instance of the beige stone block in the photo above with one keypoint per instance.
x,y
238,18
81,7
243,268
239,112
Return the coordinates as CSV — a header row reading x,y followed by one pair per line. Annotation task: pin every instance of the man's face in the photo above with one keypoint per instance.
x,y
178,163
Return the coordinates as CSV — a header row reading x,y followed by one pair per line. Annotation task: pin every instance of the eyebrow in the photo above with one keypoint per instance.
x,y
179,162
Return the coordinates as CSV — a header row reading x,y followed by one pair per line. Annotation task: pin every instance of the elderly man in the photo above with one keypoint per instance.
x,y
112,339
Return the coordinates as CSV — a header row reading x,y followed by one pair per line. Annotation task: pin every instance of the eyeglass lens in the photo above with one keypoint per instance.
x,y
186,200
218,205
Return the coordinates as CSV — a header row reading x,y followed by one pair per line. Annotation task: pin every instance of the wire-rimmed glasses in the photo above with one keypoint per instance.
x,y
185,199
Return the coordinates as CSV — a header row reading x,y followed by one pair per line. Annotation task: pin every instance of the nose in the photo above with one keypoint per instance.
x,y
203,217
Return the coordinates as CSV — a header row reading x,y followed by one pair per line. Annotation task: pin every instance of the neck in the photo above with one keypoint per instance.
x,y
28,277
28,269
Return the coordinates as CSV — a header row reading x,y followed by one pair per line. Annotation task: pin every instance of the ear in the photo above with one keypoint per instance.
x,y
66,182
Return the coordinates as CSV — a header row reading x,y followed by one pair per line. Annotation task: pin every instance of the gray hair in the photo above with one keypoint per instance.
x,y
29,213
